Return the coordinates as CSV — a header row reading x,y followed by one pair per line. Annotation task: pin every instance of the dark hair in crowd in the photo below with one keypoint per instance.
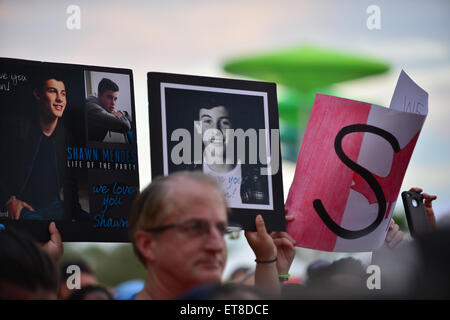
x,y
322,275
239,271
107,84
25,264
227,291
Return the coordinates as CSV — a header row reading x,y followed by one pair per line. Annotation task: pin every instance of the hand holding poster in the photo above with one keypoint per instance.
x,y
350,168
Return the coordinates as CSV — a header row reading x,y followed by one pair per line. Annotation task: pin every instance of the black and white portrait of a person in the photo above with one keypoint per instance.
x,y
220,132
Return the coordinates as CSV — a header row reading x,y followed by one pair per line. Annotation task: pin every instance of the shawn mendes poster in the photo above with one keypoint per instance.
x,y
68,149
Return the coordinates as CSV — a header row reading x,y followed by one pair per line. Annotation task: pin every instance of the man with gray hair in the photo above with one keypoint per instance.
x,y
177,228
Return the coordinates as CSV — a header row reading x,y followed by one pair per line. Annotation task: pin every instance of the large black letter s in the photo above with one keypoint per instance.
x,y
365,174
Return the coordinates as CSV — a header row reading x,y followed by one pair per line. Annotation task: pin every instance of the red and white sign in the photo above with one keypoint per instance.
x,y
350,169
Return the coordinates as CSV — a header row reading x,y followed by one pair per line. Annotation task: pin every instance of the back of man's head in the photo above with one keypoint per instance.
x,y
107,84
433,276
26,271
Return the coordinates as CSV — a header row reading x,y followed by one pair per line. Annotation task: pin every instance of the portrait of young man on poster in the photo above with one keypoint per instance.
x,y
35,183
108,107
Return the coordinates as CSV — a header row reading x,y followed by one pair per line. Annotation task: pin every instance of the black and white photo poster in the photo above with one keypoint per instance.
x,y
224,128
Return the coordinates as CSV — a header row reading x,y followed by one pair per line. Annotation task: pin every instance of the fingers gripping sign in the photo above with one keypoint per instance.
x,y
261,242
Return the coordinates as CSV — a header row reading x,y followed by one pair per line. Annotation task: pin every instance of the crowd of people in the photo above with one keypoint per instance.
x,y
178,226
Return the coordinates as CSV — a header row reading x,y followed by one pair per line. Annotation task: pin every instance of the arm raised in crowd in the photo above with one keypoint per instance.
x,y
274,254
285,249
394,237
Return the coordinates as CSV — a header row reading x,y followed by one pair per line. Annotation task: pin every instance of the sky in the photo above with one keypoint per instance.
x,y
197,37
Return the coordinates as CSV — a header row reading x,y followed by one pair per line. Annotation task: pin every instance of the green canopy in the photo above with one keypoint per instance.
x,y
295,105
300,73
305,68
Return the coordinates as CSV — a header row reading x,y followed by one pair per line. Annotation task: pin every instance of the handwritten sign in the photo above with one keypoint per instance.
x,y
10,80
113,195
409,97
350,168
